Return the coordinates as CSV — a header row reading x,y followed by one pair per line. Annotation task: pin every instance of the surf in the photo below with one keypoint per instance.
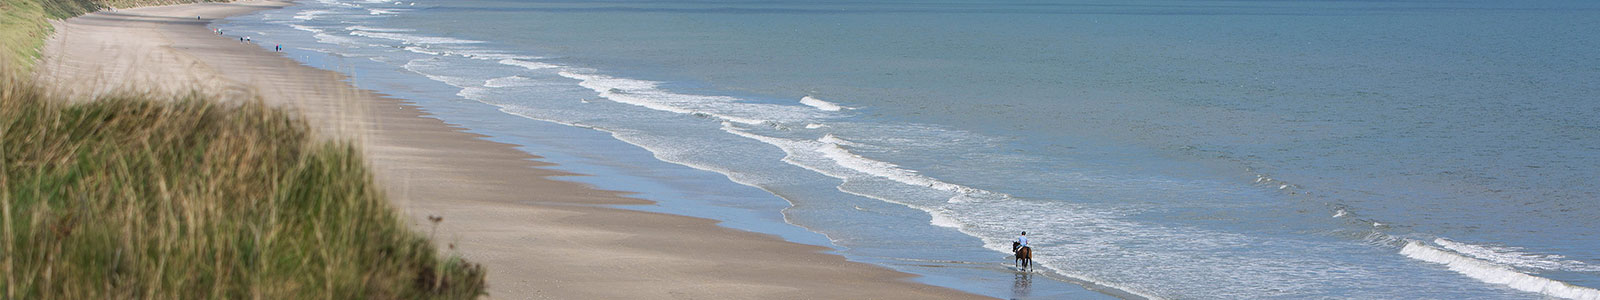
x,y
1497,274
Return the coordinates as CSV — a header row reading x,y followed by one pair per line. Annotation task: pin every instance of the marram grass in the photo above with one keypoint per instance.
x,y
140,197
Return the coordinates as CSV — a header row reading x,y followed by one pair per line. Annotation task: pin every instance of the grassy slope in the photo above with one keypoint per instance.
x,y
24,25
156,196
129,197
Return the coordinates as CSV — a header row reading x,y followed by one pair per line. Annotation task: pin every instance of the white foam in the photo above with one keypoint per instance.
x,y
796,152
887,170
814,126
305,28
531,65
416,66
819,104
421,50
814,156
509,81
1516,257
482,54
474,93
644,93
377,29
412,39
467,53
809,154
333,39
1497,274
972,212
310,14
941,218
451,80
337,3
831,139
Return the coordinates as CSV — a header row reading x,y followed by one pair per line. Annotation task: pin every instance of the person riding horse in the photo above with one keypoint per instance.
x,y
1023,253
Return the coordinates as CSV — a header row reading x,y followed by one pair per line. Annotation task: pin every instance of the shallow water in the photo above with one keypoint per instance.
x,y
1157,148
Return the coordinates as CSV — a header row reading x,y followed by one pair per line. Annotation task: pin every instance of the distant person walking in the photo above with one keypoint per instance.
x,y
277,48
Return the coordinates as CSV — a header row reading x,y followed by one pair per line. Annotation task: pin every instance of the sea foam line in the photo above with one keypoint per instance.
x,y
831,148
334,39
531,65
412,39
417,66
509,81
310,14
1497,274
384,11
645,94
813,154
377,29
819,104
804,154
305,28
1515,257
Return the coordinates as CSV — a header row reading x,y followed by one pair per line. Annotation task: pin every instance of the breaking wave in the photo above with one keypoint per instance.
x,y
1496,274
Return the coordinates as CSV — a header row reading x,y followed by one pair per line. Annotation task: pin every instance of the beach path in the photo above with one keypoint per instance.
x,y
538,237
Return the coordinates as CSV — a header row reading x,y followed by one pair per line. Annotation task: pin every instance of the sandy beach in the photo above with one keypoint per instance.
x,y
538,237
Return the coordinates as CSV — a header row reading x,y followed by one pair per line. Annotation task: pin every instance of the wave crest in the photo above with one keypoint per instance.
x,y
1497,274
819,104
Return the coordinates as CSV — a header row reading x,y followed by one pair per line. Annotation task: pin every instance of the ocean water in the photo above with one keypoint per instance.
x,y
1154,149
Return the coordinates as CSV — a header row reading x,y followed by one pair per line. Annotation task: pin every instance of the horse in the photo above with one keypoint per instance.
x,y
1024,256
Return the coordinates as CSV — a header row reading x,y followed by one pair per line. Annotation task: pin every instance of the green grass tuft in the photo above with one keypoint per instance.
x,y
143,197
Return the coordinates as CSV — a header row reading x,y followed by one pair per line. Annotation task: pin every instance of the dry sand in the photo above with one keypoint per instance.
x,y
538,237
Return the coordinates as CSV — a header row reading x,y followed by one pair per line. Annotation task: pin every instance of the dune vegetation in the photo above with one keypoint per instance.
x,y
182,196
24,24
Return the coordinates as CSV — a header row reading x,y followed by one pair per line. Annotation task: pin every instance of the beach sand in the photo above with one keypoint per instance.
x,y
538,237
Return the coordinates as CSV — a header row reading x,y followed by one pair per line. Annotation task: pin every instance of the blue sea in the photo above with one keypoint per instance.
x,y
1151,149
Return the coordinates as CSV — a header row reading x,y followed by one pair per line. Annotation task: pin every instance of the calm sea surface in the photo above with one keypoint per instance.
x,y
1162,149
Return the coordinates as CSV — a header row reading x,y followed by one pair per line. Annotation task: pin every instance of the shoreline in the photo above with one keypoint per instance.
x,y
564,243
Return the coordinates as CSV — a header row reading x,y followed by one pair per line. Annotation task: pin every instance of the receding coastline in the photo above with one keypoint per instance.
x,y
538,237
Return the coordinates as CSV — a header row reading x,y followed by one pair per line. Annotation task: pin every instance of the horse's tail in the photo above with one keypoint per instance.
x,y
1025,253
